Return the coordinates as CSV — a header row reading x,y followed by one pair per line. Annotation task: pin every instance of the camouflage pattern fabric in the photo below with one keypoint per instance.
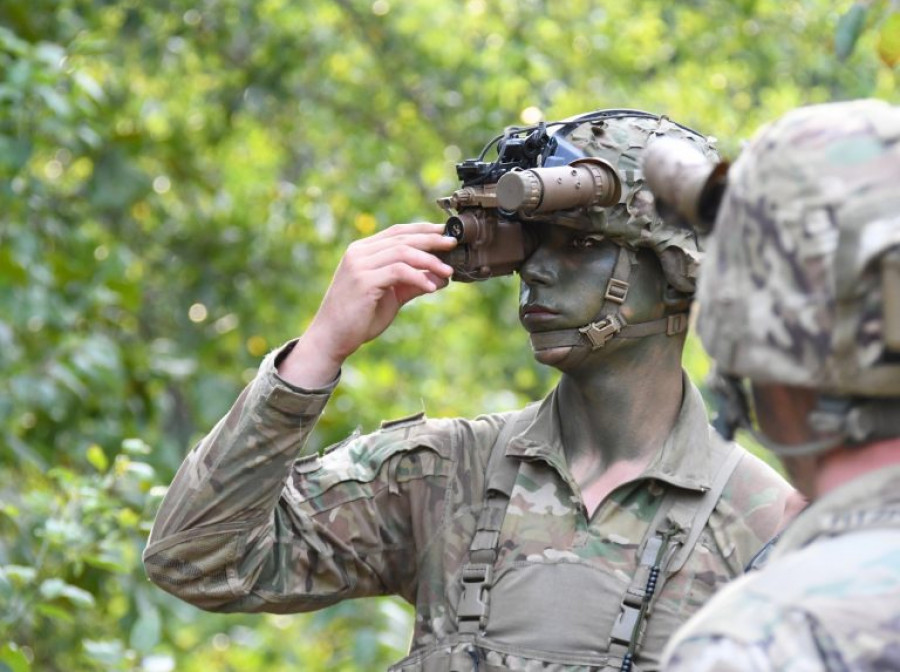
x,y
634,222
246,526
792,288
829,599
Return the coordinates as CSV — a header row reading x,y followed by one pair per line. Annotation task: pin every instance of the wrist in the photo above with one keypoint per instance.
x,y
310,365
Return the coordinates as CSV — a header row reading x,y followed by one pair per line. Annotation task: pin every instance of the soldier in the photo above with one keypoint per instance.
x,y
800,299
539,539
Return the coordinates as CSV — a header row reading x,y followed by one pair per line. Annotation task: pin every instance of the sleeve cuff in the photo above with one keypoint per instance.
x,y
289,398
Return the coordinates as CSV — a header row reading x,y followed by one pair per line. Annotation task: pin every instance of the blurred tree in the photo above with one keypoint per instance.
x,y
177,181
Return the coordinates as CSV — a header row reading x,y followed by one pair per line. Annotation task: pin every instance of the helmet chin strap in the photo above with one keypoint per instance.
x,y
610,323
844,421
835,421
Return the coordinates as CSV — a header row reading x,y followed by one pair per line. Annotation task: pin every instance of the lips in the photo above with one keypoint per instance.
x,y
535,313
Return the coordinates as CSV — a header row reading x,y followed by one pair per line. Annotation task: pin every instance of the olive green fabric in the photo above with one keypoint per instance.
x,y
829,598
247,526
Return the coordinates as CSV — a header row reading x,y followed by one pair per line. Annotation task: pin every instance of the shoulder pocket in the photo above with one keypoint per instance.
x,y
357,463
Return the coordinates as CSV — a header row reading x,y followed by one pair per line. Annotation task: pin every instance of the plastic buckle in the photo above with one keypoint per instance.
x,y
675,324
616,290
651,550
598,333
472,610
623,628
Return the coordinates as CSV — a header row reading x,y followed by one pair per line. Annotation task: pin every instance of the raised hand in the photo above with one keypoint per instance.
x,y
374,279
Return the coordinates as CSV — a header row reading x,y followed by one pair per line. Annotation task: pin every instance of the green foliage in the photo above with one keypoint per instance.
x,y
177,181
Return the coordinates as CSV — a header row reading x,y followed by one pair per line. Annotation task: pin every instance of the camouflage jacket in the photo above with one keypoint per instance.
x,y
247,526
829,598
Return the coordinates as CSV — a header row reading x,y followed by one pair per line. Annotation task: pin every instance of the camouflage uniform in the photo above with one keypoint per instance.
x,y
798,290
245,527
829,599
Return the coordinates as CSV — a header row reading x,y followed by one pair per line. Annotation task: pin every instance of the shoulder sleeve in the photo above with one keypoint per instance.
x,y
714,653
743,642
246,526
756,504
760,621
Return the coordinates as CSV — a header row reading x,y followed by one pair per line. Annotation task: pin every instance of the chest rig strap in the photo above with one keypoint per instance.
x,y
477,574
670,539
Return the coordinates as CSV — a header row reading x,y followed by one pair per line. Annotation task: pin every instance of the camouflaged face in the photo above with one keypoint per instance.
x,y
634,222
792,286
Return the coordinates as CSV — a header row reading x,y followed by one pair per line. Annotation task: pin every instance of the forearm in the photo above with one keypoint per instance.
x,y
225,494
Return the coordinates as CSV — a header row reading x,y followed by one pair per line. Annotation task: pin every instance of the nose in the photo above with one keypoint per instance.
x,y
538,268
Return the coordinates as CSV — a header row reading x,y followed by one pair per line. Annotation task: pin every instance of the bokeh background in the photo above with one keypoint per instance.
x,y
177,181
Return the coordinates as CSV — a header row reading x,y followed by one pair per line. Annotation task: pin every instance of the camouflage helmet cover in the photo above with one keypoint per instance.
x,y
621,137
804,249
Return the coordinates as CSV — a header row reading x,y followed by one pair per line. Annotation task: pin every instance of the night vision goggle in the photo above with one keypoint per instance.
x,y
496,198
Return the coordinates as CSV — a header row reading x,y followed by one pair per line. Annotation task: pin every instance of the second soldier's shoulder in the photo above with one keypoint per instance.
x,y
775,613
737,617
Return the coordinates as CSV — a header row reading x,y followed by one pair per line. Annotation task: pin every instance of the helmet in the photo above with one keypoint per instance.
x,y
621,137
586,174
801,282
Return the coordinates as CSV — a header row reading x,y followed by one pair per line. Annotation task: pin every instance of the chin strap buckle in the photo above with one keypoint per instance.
x,y
676,324
598,333
616,291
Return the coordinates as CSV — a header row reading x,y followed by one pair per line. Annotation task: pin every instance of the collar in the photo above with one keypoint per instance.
x,y
869,501
682,461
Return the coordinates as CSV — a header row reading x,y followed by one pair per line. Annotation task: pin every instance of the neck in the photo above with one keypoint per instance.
x,y
848,463
621,404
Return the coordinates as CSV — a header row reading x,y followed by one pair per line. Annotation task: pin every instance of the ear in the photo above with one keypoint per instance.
x,y
675,300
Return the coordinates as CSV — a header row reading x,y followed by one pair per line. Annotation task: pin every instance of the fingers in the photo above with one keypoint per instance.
x,y
421,236
412,245
407,292
375,277
404,275
409,256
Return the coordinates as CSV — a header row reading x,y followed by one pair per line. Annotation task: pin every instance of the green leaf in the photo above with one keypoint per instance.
x,y
108,560
19,575
14,154
109,652
849,28
55,613
10,510
145,633
12,659
889,40
52,589
97,458
136,446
